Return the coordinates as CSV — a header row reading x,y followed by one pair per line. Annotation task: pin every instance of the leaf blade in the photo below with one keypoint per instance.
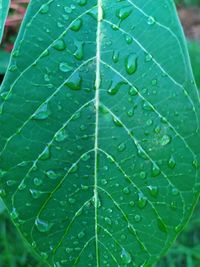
x,y
109,169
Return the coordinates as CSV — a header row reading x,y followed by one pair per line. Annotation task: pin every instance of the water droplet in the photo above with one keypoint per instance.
x,y
74,82
76,25
79,50
44,9
46,154
131,64
37,181
151,20
143,175
125,256
153,190
61,136
81,235
43,226
59,45
64,67
175,191
42,113
14,214
121,147
171,162
142,200
115,56
137,218
52,175
126,190
123,13
133,91
166,139
155,170
35,193
108,221
115,86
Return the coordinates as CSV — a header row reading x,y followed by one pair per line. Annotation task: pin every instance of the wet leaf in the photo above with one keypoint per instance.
x,y
99,136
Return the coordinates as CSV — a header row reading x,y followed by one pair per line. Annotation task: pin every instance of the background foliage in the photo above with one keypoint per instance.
x,y
15,253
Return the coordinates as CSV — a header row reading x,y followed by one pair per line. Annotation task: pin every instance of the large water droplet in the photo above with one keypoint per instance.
x,y
131,64
77,25
42,113
75,82
79,50
43,226
115,86
153,190
123,13
59,45
125,256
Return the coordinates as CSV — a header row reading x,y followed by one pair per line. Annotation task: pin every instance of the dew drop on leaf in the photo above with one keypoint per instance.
x,y
59,45
142,200
43,226
76,25
74,82
171,162
42,113
131,64
64,67
123,13
126,257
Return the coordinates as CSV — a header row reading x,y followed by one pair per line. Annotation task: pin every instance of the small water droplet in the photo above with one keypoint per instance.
x,y
137,218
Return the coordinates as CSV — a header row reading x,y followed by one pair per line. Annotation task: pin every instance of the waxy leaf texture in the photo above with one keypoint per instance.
x,y
99,136
4,6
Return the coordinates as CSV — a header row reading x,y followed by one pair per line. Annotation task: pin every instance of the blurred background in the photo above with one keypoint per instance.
x,y
186,250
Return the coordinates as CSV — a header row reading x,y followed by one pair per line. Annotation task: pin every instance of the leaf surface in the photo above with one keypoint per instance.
x,y
99,134
4,6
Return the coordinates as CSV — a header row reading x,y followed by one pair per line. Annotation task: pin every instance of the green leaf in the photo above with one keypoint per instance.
x,y
4,61
4,7
194,50
99,132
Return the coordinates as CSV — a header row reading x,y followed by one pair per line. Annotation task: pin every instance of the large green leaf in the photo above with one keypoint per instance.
x,y
100,131
4,6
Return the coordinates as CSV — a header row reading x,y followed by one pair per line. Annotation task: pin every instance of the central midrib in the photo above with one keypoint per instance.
x,y
97,86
